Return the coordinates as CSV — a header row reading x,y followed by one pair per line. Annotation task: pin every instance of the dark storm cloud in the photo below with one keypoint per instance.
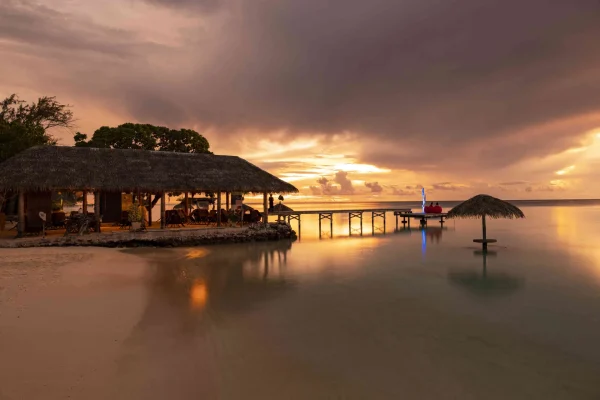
x,y
463,78
186,5
32,24
404,69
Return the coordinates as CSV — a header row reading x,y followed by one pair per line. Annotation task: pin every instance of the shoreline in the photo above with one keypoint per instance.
x,y
159,238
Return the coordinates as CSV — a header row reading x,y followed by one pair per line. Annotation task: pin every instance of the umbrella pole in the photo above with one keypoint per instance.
x,y
484,232
484,264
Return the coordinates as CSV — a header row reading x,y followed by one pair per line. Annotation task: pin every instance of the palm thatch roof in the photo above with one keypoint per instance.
x,y
484,205
281,208
48,168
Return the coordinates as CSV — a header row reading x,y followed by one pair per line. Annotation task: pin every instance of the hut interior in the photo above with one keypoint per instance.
x,y
36,202
110,207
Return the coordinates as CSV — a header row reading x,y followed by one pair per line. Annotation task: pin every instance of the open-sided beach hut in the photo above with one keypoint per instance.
x,y
51,168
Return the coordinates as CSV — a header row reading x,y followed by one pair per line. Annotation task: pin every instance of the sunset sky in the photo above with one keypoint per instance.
x,y
346,99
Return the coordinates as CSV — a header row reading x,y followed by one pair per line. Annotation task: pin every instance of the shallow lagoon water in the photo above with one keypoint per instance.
x,y
406,314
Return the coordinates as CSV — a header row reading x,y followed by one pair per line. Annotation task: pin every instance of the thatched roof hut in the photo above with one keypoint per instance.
x,y
49,168
36,172
482,206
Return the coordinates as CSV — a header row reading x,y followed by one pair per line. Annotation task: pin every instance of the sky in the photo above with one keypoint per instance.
x,y
346,99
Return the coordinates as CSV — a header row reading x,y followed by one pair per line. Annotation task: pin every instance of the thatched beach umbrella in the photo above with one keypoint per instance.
x,y
482,206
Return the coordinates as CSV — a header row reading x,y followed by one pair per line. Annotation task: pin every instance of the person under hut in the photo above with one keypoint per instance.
x,y
271,200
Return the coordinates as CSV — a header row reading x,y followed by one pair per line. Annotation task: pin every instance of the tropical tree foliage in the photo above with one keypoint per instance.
x,y
24,125
146,137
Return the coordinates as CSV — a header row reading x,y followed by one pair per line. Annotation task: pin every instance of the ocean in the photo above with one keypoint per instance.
x,y
401,313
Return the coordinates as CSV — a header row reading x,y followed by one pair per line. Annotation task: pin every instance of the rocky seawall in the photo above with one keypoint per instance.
x,y
160,238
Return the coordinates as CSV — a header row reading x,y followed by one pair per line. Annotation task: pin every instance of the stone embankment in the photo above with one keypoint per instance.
x,y
160,238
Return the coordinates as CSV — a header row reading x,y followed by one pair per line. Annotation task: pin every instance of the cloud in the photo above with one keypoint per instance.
x,y
448,186
187,5
341,178
513,183
374,186
421,85
340,185
409,191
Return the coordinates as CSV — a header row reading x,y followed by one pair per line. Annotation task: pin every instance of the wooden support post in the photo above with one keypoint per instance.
x,y
218,208
149,209
360,217
85,202
163,212
384,223
266,209
349,224
97,211
372,223
227,207
319,226
185,204
330,225
21,225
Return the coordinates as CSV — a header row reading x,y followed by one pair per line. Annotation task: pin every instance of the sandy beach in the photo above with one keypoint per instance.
x,y
232,322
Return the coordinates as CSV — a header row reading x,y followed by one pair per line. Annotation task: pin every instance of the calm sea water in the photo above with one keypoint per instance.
x,y
415,314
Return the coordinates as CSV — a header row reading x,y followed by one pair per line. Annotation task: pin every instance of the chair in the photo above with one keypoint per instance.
x,y
124,222
58,219
212,217
202,216
224,216
173,218
182,217
255,216
35,226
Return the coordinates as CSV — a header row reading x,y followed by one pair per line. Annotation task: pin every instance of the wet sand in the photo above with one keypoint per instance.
x,y
232,323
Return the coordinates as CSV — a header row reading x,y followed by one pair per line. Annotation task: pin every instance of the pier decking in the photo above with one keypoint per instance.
x,y
352,214
422,217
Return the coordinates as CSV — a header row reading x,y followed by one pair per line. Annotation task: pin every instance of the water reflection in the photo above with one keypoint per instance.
x,y
486,283
189,285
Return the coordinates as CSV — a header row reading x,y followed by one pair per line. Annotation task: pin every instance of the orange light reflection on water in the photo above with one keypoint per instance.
x,y
198,295
576,228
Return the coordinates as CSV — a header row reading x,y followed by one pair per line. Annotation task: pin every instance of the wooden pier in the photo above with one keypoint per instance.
x,y
422,217
327,215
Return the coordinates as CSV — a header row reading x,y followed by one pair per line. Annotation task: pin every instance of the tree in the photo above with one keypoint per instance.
x,y
146,137
25,125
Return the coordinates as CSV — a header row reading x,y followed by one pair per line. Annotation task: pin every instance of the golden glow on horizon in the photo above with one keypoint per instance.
x,y
360,168
565,170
